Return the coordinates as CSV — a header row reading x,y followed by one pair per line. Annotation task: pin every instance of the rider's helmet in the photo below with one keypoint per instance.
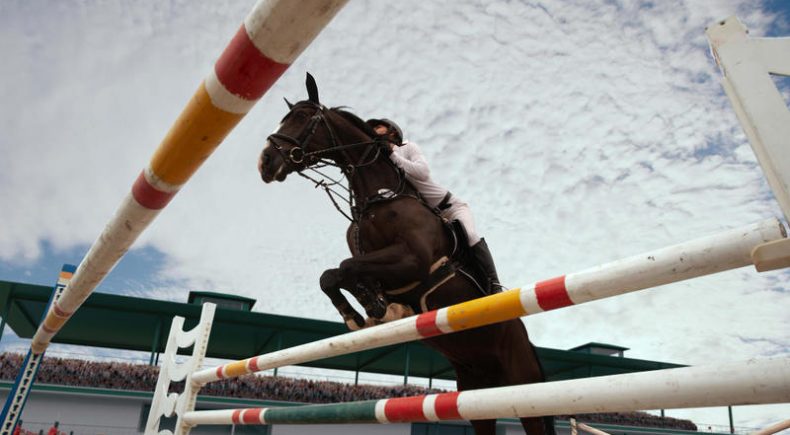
x,y
393,130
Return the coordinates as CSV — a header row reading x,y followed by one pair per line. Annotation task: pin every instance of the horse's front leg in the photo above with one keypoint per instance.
x,y
330,285
369,295
363,274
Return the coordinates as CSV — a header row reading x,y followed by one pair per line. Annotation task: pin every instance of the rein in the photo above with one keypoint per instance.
x,y
314,160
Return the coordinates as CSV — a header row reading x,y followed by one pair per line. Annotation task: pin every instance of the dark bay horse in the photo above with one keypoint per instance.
x,y
395,241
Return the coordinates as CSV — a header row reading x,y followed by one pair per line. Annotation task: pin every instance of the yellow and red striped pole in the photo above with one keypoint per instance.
x,y
273,34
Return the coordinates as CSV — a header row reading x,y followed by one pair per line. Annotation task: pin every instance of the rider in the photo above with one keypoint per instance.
x,y
408,156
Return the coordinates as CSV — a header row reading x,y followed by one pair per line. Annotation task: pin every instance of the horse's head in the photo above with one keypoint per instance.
x,y
300,132
308,134
284,151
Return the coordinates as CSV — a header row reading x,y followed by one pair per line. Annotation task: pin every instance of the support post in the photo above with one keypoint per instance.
x,y
747,64
155,344
164,404
729,413
6,311
356,370
279,346
17,397
406,369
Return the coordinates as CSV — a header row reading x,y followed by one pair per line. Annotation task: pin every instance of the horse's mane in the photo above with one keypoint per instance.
x,y
355,120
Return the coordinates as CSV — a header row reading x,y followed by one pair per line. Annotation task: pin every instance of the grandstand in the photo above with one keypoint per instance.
x,y
113,397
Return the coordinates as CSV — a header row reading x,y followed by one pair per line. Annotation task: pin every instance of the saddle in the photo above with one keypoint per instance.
x,y
462,259
459,262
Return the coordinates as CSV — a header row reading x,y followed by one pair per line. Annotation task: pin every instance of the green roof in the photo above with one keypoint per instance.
x,y
223,299
130,323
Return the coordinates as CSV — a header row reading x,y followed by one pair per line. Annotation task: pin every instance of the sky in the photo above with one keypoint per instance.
x,y
579,132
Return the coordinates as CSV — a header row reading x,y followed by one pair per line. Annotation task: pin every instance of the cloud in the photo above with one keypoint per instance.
x,y
579,132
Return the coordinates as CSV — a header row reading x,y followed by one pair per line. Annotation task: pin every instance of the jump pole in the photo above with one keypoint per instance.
x,y
727,250
774,428
271,37
743,383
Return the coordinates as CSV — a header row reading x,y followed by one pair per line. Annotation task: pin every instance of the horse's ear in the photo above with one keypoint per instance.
x,y
290,105
312,89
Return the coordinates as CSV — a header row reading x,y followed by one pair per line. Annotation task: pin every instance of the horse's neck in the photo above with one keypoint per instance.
x,y
368,180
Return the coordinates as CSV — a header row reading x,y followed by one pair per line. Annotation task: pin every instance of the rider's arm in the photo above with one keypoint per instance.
x,y
409,158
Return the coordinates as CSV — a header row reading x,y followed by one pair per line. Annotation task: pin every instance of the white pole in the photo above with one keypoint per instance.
x,y
751,382
741,383
592,430
706,255
272,36
774,428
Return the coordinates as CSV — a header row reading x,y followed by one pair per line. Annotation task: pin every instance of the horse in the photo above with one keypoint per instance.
x,y
396,241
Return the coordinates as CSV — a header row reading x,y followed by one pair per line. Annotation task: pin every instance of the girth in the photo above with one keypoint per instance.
x,y
442,270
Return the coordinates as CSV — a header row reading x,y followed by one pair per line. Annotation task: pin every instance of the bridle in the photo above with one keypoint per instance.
x,y
300,154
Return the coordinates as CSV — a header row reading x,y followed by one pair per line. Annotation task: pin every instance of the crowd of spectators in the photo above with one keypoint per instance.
x,y
141,377
66,371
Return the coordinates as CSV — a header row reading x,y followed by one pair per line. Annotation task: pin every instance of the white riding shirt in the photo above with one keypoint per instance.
x,y
410,158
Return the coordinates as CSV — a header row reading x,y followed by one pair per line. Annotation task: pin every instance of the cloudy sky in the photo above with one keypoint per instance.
x,y
580,132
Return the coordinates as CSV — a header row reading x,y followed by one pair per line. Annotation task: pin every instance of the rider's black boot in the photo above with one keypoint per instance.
x,y
486,262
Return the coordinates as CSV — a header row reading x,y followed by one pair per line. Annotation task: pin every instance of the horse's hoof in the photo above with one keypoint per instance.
x,y
372,322
355,322
396,312
376,310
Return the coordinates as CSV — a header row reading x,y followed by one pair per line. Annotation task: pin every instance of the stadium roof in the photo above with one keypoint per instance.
x,y
129,323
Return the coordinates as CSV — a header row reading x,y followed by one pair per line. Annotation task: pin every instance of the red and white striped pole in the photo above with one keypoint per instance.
x,y
739,383
272,36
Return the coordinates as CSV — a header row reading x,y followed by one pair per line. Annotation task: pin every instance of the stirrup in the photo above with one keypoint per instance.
x,y
495,287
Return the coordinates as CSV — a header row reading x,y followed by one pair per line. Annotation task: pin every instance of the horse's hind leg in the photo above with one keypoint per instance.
x,y
538,425
484,427
330,285
522,366
469,378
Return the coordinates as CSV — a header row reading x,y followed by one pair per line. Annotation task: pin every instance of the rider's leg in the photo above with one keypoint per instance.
x,y
460,211
482,255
